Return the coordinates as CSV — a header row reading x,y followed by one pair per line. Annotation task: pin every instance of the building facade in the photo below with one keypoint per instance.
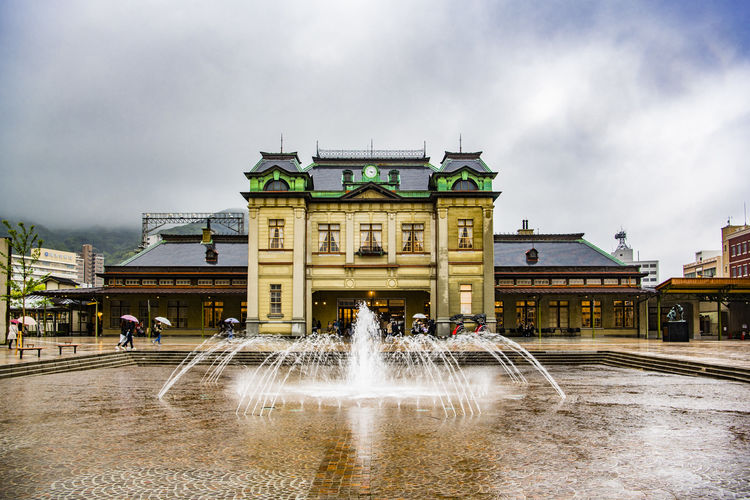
x,y
57,263
727,232
90,266
707,264
738,251
384,227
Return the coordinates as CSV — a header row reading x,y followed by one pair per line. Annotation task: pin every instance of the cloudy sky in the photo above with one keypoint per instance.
x,y
597,115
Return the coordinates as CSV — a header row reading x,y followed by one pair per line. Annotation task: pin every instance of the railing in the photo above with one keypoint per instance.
x,y
365,251
395,154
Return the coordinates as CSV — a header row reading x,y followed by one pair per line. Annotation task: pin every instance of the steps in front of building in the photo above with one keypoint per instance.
x,y
675,366
67,364
464,358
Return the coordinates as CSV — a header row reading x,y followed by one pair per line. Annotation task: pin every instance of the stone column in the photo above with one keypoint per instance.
x,y
253,321
442,299
488,266
391,238
349,228
298,272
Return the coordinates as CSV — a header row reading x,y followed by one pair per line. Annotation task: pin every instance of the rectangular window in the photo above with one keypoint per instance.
x,y
412,237
205,282
166,282
624,314
732,250
465,233
744,247
275,233
499,313
177,313
221,282
465,293
243,312
328,238
525,313
213,313
275,299
149,282
239,282
558,314
591,309
371,238
182,282
116,309
132,282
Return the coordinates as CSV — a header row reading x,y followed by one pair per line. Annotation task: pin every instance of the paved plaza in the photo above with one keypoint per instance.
x,y
620,433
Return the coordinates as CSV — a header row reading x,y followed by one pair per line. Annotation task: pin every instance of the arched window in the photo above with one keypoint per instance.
x,y
464,185
278,185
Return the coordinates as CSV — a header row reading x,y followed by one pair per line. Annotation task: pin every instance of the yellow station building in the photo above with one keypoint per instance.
x,y
384,227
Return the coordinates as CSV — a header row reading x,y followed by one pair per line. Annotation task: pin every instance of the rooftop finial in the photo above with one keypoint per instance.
x,y
371,146
281,149
317,149
460,144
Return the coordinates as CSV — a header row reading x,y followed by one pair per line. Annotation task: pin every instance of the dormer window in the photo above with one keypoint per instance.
x,y
348,177
276,185
464,185
532,256
393,177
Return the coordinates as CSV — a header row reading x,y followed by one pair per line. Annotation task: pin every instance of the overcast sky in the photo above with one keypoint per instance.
x,y
597,115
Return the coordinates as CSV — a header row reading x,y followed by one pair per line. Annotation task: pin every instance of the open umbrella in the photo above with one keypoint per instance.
x,y
163,320
419,316
231,320
129,317
26,320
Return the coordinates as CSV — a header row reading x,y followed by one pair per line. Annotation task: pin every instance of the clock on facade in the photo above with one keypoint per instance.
x,y
371,171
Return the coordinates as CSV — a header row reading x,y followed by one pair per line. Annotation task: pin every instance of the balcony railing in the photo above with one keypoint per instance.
x,y
367,251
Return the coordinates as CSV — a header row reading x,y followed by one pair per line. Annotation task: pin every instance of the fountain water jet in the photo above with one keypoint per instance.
x,y
325,368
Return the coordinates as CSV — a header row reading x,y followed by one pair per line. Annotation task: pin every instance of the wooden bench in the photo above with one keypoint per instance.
x,y
68,344
29,348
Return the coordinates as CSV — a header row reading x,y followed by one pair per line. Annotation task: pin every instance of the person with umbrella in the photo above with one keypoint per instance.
x,y
12,333
158,321
229,322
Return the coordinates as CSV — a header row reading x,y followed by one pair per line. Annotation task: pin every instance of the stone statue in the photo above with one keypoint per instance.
x,y
675,314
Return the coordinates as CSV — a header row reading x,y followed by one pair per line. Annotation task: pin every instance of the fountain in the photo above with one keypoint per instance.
x,y
419,370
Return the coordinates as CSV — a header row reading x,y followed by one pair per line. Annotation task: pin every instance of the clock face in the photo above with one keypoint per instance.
x,y
371,171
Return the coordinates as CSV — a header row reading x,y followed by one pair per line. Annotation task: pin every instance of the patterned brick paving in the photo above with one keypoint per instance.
x,y
619,434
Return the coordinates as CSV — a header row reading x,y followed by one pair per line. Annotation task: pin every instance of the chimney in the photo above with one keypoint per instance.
x,y
207,240
525,231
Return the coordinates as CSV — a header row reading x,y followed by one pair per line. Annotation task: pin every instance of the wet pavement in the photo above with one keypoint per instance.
x,y
620,433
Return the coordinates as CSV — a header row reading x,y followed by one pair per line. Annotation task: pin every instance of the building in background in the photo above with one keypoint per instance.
x,y
57,263
736,251
707,265
624,253
90,264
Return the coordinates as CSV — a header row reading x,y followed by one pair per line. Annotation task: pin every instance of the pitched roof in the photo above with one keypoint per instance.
x,y
456,161
567,253
190,253
328,177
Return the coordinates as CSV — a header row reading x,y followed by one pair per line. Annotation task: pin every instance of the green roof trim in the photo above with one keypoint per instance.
x,y
142,252
608,255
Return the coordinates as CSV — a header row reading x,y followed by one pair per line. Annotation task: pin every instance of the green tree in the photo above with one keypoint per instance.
x,y
24,242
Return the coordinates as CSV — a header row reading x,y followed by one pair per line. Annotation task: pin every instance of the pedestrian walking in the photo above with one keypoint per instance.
x,y
129,327
156,329
123,329
12,335
230,330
